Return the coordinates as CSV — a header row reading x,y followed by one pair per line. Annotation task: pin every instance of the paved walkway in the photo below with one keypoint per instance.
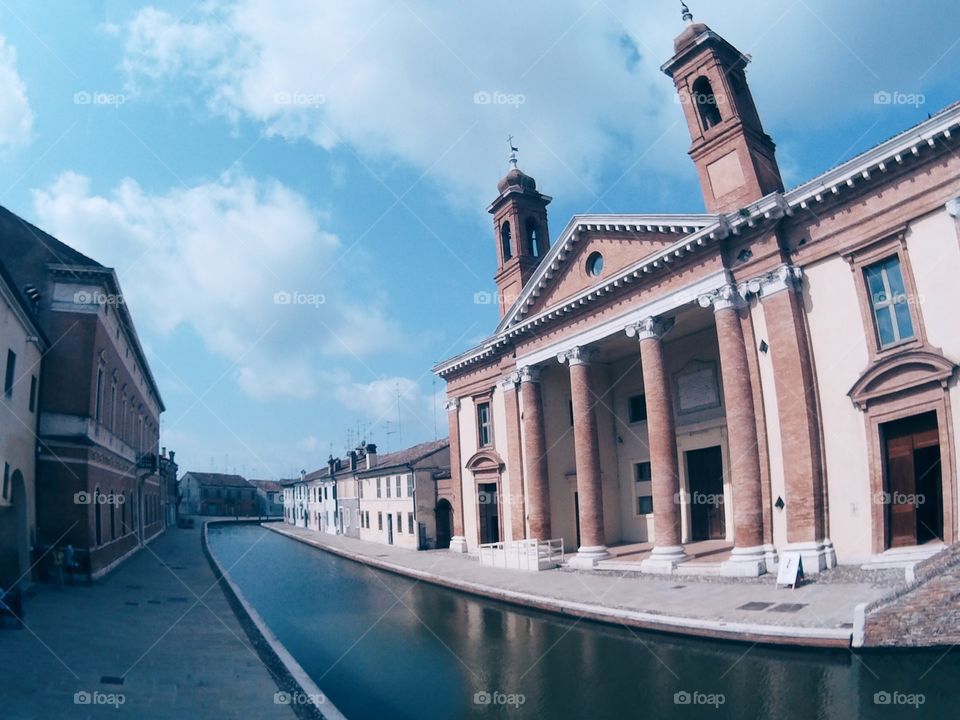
x,y
815,614
160,622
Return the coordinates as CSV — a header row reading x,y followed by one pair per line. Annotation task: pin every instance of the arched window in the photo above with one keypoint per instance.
x,y
97,519
706,103
533,238
506,245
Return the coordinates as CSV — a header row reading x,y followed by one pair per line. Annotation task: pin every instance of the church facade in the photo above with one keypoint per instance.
x,y
776,375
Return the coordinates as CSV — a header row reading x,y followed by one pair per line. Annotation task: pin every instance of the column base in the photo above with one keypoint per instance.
x,y
588,557
745,562
770,557
458,544
664,560
817,555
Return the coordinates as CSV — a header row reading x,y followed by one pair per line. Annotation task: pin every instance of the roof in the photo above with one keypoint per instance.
x,y
405,458
32,255
218,479
266,485
911,143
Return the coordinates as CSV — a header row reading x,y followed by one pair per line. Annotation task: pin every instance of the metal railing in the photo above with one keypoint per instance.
x,y
522,554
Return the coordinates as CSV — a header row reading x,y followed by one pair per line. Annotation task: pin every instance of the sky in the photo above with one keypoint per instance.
x,y
293,192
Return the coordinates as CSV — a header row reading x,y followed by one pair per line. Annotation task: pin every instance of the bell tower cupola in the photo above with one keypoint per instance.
x,y
735,158
520,231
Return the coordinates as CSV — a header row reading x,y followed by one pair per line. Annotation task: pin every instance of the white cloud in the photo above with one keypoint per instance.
x,y
16,117
388,400
243,263
397,81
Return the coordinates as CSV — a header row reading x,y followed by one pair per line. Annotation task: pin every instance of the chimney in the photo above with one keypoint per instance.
x,y
172,453
332,465
371,456
353,461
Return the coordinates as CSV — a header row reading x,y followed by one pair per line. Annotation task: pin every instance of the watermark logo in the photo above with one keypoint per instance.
x,y
97,297
295,297
487,297
914,700
85,498
701,498
296,98
897,97
495,97
684,697
96,697
899,498
495,697
97,97
298,698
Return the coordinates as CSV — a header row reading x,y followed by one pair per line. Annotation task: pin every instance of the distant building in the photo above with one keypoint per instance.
x,y
398,497
97,485
22,343
171,492
295,510
270,497
217,494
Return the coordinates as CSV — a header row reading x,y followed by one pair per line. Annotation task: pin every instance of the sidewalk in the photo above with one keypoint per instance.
x,y
160,622
820,614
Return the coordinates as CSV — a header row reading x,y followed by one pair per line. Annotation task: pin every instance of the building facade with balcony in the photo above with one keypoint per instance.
x,y
775,375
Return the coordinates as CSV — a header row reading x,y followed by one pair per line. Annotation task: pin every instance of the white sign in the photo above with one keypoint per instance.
x,y
790,571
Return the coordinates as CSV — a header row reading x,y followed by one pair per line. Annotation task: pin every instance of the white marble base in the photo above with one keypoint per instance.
x,y
770,557
745,562
458,544
664,560
817,556
588,557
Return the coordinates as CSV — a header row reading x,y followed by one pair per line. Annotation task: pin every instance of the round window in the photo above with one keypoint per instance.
x,y
595,264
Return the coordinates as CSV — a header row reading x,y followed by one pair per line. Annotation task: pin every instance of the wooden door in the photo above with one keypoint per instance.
x,y
705,480
489,513
913,480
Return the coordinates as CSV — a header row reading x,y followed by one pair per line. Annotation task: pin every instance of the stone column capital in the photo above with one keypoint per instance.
x,y
953,207
723,298
651,328
530,374
785,277
577,356
452,405
509,382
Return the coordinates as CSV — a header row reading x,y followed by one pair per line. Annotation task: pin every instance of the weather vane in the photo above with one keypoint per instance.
x,y
687,15
513,151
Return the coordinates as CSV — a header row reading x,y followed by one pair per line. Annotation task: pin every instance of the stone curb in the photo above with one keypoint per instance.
x,y
272,652
671,624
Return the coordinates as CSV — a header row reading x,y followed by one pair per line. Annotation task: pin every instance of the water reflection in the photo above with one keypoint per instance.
x,y
386,646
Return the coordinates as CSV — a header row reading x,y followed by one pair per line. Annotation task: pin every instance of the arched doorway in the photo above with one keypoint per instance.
x,y
487,468
444,515
15,535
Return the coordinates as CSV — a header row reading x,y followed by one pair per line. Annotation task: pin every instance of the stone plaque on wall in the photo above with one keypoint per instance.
x,y
697,387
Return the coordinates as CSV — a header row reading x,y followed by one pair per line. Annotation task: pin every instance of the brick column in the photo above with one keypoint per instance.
x,y
535,454
587,448
662,442
514,486
797,408
742,445
458,543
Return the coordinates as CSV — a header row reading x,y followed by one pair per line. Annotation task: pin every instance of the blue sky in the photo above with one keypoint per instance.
x,y
227,156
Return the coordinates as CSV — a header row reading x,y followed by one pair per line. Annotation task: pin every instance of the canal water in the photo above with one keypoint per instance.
x,y
384,646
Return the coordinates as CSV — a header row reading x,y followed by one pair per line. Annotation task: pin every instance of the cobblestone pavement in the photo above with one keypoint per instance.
x,y
160,622
819,611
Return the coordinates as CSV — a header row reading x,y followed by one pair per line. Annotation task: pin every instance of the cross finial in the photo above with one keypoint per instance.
x,y
513,151
687,15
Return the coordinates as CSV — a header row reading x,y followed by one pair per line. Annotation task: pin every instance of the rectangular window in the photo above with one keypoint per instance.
x,y
399,523
484,434
98,407
398,486
888,298
410,522
378,487
410,485
379,521
367,513
642,474
388,487
360,489
6,480
644,505
33,393
11,369
638,408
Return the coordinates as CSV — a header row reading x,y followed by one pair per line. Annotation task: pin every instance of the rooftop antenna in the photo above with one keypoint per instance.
x,y
399,425
687,15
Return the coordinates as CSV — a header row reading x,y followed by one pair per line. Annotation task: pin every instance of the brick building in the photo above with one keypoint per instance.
x,y
776,375
98,485
218,494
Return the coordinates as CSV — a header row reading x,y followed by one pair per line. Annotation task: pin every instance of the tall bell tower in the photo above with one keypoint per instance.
x,y
520,231
735,158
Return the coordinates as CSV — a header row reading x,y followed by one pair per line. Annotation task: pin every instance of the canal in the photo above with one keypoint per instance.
x,y
384,646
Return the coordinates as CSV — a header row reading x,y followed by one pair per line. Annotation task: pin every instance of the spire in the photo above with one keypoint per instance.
x,y
687,15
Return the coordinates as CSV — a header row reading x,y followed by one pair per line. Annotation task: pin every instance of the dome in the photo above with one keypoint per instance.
x,y
689,34
516,179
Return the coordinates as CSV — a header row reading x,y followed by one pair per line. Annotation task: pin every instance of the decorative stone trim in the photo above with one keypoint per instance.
x,y
953,207
724,298
452,405
785,277
509,382
650,328
577,356
530,374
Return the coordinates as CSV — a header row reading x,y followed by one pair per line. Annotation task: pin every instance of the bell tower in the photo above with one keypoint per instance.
x,y
735,158
520,231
